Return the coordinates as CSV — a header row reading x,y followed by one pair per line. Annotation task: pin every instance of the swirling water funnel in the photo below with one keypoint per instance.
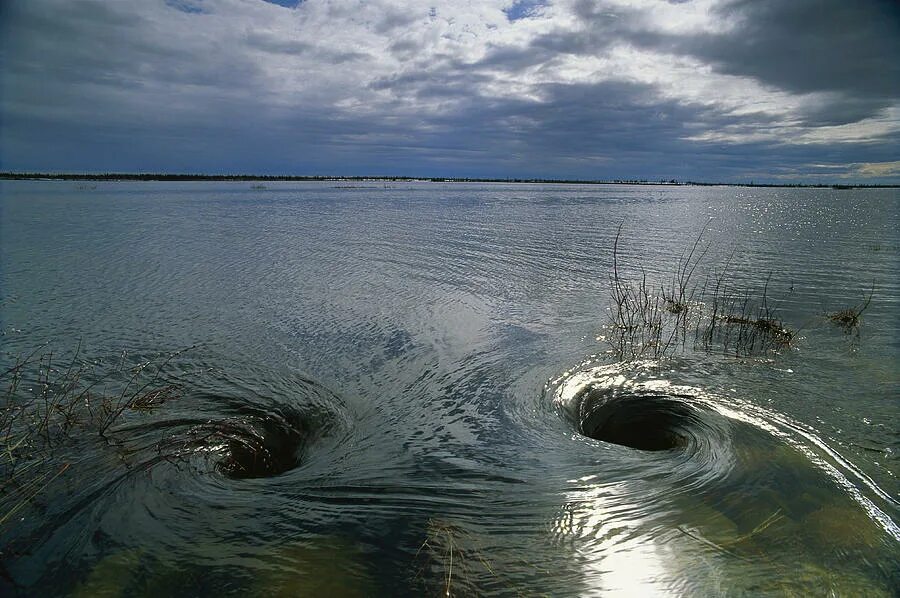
x,y
691,481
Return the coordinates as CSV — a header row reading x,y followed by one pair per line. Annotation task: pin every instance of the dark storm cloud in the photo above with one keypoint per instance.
x,y
604,130
798,45
841,108
850,49
810,45
616,128
84,42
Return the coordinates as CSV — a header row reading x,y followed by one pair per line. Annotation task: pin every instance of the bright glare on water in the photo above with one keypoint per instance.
x,y
413,389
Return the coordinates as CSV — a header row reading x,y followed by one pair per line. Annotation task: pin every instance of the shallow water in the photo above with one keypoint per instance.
x,y
391,390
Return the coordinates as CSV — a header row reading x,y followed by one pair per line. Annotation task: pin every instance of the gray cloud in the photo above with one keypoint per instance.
x,y
848,49
810,45
267,42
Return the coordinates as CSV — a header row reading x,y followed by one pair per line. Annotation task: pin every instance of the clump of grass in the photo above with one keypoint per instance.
x,y
849,319
48,411
768,327
675,307
743,322
655,320
154,398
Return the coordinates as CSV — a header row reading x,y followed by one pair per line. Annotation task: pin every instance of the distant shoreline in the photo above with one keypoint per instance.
x,y
20,176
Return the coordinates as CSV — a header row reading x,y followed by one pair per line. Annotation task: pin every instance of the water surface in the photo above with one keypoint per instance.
x,y
413,362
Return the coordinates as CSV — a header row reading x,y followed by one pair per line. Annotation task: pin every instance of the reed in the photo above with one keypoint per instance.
x,y
49,410
654,320
453,561
849,319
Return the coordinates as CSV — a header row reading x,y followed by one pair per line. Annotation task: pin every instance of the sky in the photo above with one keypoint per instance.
x,y
707,90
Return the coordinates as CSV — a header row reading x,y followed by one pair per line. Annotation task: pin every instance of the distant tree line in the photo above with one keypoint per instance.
x,y
125,176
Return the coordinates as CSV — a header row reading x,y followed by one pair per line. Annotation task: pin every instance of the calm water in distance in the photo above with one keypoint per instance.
x,y
425,342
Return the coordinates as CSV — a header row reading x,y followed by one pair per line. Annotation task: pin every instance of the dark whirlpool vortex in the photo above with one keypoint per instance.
x,y
644,421
258,446
625,407
260,433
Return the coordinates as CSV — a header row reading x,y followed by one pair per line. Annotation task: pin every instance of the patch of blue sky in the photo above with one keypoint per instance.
x,y
285,3
523,8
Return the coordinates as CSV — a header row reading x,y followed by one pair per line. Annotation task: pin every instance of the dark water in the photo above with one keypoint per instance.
x,y
390,391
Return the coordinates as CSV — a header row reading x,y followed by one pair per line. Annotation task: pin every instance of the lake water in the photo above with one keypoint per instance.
x,y
378,389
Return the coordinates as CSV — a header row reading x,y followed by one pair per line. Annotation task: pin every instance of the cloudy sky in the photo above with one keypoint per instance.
x,y
724,90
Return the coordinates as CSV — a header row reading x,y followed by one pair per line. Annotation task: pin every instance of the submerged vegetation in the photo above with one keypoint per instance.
x,y
52,412
453,561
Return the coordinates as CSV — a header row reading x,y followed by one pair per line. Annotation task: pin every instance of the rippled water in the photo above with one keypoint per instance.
x,y
405,390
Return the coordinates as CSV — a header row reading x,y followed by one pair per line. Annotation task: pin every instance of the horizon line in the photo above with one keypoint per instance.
x,y
162,177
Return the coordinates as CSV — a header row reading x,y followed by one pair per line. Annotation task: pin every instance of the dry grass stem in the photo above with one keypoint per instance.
x,y
654,320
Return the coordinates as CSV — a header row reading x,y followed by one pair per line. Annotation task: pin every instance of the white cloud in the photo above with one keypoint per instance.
x,y
878,169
